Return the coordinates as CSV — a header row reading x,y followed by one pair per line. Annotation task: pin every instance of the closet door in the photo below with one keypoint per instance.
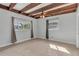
x,y
47,32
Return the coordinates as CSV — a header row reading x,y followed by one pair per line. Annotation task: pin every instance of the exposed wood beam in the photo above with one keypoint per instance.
x,y
63,12
47,7
11,6
13,10
4,7
53,9
66,9
59,13
61,9
32,5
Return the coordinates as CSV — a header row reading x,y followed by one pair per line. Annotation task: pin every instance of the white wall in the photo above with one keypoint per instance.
x,y
22,35
5,26
67,28
41,28
77,28
66,32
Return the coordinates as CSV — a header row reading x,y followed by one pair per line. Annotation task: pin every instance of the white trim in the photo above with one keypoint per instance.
x,y
63,41
77,33
19,41
4,45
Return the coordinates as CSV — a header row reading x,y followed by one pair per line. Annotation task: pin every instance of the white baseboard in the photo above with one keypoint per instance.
x,y
77,46
63,41
4,45
19,41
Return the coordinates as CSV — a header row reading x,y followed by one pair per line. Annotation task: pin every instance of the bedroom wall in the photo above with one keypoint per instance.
x,y
24,34
66,32
67,28
77,28
5,27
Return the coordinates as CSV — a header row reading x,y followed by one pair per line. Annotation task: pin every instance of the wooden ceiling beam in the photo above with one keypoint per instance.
x,y
4,7
61,9
32,5
12,10
63,12
11,6
58,13
66,9
47,7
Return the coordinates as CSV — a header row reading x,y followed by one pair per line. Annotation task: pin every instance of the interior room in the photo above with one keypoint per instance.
x,y
39,29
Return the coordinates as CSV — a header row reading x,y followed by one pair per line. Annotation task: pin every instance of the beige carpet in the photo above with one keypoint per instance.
x,y
39,47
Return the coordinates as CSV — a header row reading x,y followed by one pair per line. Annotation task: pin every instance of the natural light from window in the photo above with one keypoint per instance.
x,y
59,48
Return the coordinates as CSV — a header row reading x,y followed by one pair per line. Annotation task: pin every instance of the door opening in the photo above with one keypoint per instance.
x,y
47,32
32,29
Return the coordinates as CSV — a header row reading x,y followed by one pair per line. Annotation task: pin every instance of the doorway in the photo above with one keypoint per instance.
x,y
47,31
